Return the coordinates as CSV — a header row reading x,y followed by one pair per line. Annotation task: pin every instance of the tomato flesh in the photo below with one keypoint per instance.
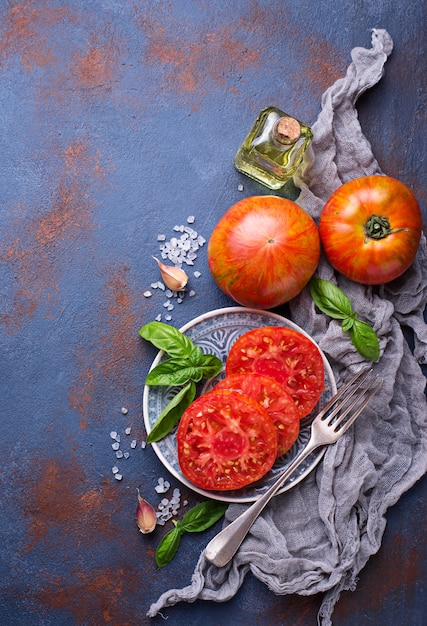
x,y
284,354
274,398
225,441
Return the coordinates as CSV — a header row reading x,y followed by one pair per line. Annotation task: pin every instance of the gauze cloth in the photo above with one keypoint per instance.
x,y
316,537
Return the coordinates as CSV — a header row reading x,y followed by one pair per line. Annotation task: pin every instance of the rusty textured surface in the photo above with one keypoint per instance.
x,y
119,119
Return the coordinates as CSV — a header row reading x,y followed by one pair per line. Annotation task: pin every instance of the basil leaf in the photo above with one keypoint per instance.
x,y
330,299
196,356
210,365
197,519
168,545
186,365
167,338
365,340
173,372
348,322
172,413
203,515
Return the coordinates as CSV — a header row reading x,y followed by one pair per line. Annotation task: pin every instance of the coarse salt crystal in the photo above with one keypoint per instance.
x,y
197,274
127,430
115,445
124,410
126,455
118,476
115,469
147,294
168,318
191,219
113,434
240,187
143,444
191,293
162,486
133,443
167,508
119,454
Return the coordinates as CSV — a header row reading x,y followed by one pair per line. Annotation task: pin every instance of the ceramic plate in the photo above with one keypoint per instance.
x,y
215,332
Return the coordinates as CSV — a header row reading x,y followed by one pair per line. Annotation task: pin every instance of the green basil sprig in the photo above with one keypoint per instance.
x,y
332,301
185,366
197,519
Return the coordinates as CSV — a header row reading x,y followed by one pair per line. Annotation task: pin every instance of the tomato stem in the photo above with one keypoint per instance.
x,y
378,227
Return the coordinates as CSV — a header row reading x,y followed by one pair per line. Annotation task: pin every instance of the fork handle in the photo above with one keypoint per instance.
x,y
221,549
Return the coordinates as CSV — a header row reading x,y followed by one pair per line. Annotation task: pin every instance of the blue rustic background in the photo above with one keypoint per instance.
x,y
118,120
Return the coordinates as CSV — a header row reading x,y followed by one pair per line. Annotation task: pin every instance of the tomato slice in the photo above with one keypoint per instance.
x,y
286,355
274,398
225,440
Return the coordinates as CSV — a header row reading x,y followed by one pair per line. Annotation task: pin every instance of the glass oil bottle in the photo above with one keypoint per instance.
x,y
274,148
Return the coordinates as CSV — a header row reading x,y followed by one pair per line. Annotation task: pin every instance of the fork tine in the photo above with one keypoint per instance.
x,y
344,408
339,425
357,380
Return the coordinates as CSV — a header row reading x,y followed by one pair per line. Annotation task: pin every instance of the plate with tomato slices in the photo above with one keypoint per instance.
x,y
216,333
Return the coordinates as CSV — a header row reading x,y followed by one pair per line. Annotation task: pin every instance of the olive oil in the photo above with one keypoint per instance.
x,y
274,148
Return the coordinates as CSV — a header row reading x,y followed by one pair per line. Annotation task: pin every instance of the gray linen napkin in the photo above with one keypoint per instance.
x,y
319,535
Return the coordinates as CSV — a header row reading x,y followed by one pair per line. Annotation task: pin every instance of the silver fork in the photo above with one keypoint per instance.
x,y
327,427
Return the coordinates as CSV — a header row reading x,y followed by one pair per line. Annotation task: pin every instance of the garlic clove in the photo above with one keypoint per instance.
x,y
174,277
145,516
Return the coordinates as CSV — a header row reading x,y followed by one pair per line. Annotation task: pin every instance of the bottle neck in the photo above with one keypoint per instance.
x,y
286,131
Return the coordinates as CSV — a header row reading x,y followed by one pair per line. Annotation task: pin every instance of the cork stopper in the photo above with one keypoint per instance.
x,y
289,129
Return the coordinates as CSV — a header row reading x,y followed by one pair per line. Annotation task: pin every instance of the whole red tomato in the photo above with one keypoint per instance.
x,y
370,229
263,251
